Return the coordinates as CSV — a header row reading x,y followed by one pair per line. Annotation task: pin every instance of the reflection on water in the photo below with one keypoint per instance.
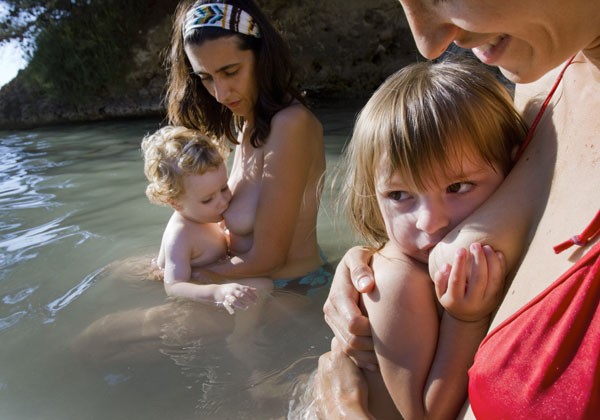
x,y
72,208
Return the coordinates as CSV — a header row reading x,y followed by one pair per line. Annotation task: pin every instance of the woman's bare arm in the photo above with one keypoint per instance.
x,y
342,314
340,389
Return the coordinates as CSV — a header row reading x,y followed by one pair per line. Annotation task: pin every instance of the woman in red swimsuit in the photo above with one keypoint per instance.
x,y
540,358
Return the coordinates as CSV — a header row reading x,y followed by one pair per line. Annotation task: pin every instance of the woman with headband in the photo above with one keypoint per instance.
x,y
231,77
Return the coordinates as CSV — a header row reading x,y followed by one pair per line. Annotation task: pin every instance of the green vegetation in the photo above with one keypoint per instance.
x,y
79,49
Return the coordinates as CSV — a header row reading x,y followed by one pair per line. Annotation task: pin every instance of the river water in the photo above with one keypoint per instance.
x,y
74,225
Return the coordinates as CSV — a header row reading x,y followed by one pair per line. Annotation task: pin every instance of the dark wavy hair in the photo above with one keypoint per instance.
x,y
189,103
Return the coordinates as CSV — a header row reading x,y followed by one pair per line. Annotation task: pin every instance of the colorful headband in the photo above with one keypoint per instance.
x,y
220,15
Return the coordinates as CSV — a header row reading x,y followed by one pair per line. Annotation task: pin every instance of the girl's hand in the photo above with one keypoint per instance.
x,y
234,296
342,313
472,288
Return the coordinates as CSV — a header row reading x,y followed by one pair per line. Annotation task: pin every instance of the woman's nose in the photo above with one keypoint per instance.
x,y
221,90
432,217
431,31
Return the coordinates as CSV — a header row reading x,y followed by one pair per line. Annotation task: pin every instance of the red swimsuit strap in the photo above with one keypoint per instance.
x,y
593,229
584,237
540,113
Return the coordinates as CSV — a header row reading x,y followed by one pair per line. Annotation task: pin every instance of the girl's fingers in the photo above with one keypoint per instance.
x,y
458,278
440,280
479,272
496,270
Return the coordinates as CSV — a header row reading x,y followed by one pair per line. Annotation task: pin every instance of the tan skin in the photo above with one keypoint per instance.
x,y
272,215
528,40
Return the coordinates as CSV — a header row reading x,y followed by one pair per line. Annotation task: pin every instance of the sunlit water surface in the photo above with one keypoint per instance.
x,y
72,209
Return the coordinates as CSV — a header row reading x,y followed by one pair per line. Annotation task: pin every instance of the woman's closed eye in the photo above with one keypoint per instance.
x,y
230,73
203,77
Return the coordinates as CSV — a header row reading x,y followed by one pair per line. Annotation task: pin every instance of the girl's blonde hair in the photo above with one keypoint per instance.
x,y
416,122
173,152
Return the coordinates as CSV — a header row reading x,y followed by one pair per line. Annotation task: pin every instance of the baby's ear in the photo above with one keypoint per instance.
x,y
174,204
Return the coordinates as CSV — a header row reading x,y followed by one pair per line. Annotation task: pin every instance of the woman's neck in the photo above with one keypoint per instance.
x,y
591,57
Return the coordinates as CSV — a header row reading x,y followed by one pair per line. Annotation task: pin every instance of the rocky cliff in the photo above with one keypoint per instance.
x,y
341,49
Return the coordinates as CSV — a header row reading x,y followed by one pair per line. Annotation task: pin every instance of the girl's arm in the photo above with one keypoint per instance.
x,y
404,321
293,145
469,290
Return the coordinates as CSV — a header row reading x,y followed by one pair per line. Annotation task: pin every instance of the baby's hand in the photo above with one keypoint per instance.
x,y
234,296
472,288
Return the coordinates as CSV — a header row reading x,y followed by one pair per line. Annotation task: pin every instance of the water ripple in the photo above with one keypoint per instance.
x,y
11,320
58,304
19,296
20,246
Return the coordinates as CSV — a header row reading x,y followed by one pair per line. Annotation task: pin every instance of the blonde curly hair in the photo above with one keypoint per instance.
x,y
173,152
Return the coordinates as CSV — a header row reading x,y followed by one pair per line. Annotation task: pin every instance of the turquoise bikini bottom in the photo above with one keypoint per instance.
x,y
307,284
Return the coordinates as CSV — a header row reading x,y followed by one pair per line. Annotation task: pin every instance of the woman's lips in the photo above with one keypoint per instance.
x,y
491,51
232,105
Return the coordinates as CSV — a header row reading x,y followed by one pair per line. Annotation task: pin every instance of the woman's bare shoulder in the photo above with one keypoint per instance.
x,y
297,117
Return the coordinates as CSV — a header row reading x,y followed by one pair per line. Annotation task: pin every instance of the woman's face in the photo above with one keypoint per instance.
x,y
227,73
525,38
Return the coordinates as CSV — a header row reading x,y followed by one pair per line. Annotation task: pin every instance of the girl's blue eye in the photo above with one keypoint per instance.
x,y
453,188
398,195
459,187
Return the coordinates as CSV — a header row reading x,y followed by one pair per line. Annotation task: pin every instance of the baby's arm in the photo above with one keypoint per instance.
x,y
178,253
404,321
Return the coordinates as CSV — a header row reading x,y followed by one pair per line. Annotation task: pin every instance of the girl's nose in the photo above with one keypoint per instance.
x,y
431,31
432,217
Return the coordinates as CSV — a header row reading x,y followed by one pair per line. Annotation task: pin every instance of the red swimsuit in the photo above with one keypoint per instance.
x,y
544,361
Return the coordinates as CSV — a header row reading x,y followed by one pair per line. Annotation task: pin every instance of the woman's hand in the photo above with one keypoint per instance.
x,y
340,388
472,288
342,314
